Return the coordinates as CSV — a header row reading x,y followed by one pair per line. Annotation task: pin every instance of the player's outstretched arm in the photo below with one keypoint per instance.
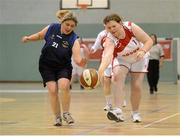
x,y
78,59
35,37
107,57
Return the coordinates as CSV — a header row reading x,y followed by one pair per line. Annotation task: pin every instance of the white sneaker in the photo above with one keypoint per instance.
x,y
67,117
124,103
116,115
136,117
108,107
58,121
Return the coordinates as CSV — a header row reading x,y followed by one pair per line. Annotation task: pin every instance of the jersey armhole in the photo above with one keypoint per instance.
x,y
130,27
50,28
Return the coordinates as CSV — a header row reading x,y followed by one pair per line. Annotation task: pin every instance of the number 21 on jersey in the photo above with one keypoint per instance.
x,y
55,44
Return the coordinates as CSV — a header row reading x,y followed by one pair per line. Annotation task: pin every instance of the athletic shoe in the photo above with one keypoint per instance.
x,y
108,107
136,117
67,117
58,121
116,115
124,103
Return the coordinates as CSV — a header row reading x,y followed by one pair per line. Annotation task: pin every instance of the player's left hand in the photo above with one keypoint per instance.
x,y
140,54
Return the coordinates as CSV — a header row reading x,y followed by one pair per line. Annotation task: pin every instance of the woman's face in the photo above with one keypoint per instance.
x,y
114,28
68,26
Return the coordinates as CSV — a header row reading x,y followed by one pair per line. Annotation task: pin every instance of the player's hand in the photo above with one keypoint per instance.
x,y
25,39
92,50
101,76
140,54
86,52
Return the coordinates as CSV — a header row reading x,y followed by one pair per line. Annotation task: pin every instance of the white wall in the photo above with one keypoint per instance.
x,y
43,11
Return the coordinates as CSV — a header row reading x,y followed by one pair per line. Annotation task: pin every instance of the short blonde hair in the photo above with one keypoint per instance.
x,y
70,16
61,13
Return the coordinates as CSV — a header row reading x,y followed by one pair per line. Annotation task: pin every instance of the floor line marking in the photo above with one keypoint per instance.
x,y
160,120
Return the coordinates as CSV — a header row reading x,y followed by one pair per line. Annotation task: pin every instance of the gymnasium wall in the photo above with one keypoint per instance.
x,y
19,62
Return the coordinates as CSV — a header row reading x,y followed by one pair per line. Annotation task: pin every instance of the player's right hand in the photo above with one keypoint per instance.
x,y
92,50
24,39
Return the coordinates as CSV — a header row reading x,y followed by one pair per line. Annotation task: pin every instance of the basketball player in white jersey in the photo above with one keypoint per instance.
x,y
108,72
130,44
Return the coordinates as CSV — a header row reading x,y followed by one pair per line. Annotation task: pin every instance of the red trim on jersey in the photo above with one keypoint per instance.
x,y
129,23
122,43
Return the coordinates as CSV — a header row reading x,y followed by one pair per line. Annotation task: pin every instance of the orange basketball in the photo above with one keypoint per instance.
x,y
89,78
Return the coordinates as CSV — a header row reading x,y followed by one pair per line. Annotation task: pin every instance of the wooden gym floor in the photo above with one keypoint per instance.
x,y
25,110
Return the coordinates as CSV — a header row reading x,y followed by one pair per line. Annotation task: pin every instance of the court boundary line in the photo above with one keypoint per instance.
x,y
115,123
162,119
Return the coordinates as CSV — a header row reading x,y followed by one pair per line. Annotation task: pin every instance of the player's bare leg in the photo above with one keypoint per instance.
x,y
63,85
54,100
136,89
107,93
118,81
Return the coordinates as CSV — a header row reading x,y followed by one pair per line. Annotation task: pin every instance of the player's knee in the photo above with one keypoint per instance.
x,y
64,87
53,91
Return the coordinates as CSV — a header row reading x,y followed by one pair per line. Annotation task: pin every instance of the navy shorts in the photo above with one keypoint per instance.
x,y
49,74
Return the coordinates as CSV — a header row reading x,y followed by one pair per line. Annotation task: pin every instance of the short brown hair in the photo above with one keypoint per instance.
x,y
112,17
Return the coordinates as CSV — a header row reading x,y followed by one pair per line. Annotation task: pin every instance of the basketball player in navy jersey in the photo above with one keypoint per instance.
x,y
61,43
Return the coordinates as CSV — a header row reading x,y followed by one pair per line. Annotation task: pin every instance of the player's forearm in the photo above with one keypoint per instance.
x,y
34,37
106,60
147,45
80,61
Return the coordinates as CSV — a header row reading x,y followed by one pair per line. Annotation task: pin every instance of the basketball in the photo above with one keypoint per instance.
x,y
89,78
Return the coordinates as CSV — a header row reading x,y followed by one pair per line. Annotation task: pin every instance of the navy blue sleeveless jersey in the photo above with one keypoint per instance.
x,y
57,51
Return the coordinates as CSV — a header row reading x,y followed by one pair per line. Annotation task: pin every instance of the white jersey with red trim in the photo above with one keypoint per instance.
x,y
99,45
126,48
99,40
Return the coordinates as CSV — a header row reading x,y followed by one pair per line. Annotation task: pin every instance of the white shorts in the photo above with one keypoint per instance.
x,y
108,72
140,66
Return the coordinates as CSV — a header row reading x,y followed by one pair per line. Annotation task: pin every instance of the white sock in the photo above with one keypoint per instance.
x,y
108,99
134,112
